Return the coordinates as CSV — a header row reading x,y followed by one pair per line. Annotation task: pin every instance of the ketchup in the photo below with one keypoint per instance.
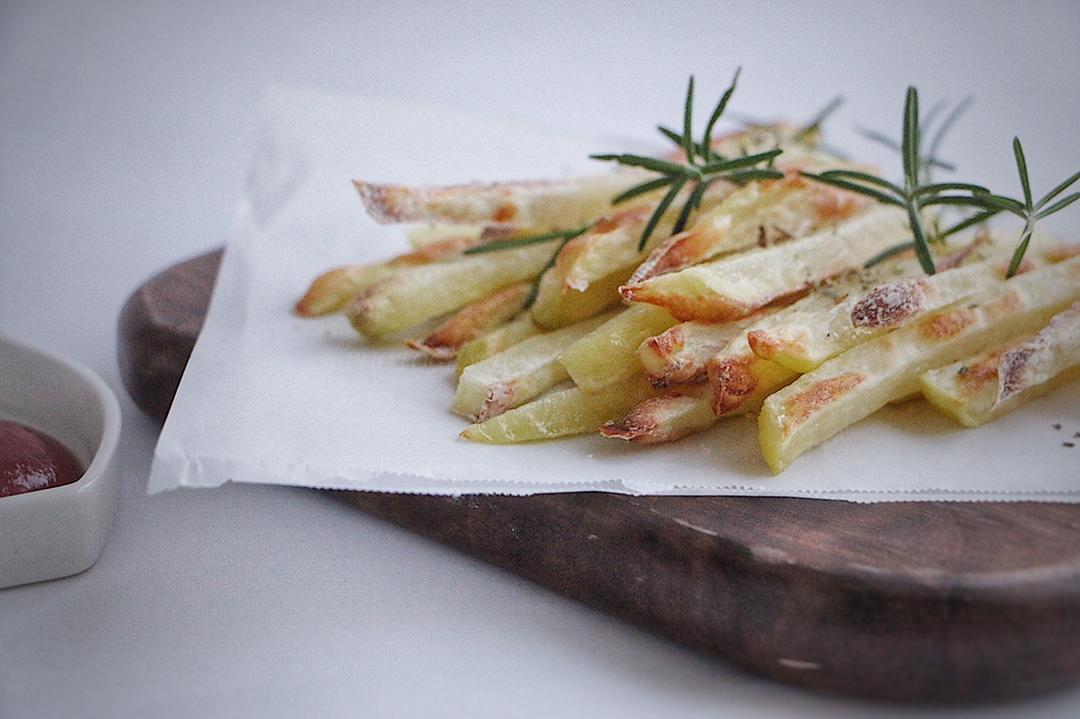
x,y
32,460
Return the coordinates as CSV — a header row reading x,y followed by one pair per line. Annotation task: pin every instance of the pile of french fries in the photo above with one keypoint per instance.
x,y
760,306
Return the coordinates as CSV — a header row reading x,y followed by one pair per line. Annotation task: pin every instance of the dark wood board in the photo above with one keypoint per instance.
x,y
911,601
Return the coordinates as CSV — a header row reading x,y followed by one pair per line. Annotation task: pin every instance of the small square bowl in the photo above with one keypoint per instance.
x,y
55,532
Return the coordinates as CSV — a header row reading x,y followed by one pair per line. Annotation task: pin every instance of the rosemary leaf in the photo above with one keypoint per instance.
x,y
740,162
864,177
855,187
976,219
688,122
1021,249
514,243
660,210
1059,205
741,177
706,142
922,245
946,125
910,144
649,163
1021,169
818,120
642,189
886,254
936,187
692,203
1057,190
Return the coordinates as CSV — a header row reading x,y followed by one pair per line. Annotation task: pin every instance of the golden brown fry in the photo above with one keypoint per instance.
x,y
736,286
472,321
761,214
544,204
556,308
608,354
862,380
981,388
495,341
669,416
332,290
560,414
415,294
681,354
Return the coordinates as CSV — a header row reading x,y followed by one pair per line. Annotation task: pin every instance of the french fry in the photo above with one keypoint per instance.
x,y
666,417
865,378
740,380
734,287
421,237
608,354
560,413
877,308
518,374
681,354
760,214
495,341
412,295
332,290
613,241
981,388
556,308
468,323
543,204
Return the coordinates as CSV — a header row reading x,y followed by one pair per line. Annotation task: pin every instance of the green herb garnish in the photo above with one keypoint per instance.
x,y
561,236
918,192
703,166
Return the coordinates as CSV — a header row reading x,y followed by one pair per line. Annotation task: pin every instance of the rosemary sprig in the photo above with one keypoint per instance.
x,y
808,133
561,236
931,159
1034,211
703,166
918,193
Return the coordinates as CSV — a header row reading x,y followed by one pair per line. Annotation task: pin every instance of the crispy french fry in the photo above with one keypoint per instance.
x,y
556,308
740,380
613,241
879,308
681,354
981,388
545,204
495,341
412,295
760,214
736,286
332,290
862,380
518,374
608,354
468,323
666,417
560,413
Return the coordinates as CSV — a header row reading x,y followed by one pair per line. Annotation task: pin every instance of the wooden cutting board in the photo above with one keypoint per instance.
x,y
913,601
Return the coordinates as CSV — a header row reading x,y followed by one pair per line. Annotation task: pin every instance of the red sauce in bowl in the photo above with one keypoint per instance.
x,y
32,460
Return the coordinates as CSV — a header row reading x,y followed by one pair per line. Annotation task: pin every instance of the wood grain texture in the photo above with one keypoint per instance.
x,y
911,601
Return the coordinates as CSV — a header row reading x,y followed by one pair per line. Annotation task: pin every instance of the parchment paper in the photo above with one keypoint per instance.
x,y
271,398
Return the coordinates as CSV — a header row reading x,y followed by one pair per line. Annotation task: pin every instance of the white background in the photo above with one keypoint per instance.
x,y
125,131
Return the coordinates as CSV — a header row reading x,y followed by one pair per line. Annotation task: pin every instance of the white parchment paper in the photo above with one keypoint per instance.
x,y
271,398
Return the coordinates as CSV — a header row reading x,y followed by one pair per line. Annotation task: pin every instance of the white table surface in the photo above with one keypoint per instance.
x,y
125,130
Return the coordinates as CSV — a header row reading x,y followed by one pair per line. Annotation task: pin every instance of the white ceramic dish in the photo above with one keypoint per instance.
x,y
56,532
